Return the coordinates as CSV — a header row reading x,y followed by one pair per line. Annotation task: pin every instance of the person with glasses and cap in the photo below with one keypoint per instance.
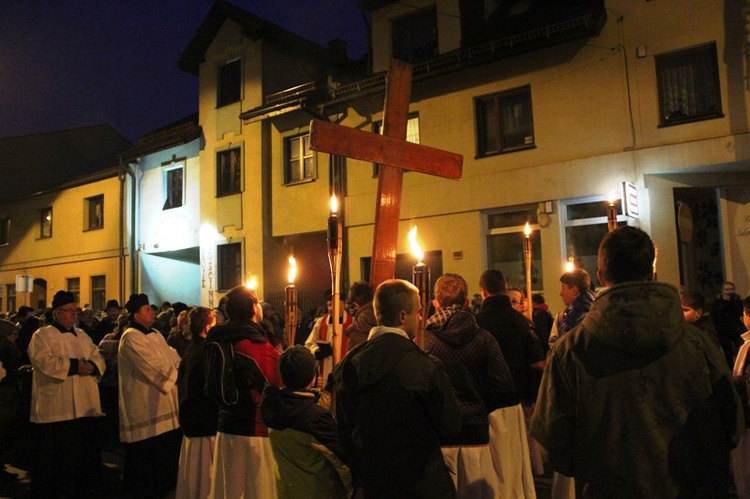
x,y
65,405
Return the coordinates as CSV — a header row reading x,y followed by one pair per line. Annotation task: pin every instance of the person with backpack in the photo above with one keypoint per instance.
x,y
240,361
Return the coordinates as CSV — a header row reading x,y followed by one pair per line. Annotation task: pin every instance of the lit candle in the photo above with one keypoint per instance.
x,y
611,211
290,303
527,256
335,247
420,277
252,283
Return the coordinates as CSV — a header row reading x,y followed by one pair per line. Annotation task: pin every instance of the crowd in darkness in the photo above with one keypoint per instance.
x,y
636,389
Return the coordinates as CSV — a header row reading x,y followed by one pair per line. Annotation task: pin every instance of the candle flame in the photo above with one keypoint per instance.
x,y
415,249
334,204
612,197
252,283
292,270
527,230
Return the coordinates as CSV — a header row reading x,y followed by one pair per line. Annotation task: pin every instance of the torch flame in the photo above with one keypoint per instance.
x,y
334,204
570,266
612,197
527,230
252,283
415,249
292,270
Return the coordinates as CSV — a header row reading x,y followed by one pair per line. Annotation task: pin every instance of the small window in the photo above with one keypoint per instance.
x,y
688,82
45,223
504,122
98,292
74,286
4,232
11,297
412,135
299,160
230,79
174,186
229,259
415,37
228,172
94,213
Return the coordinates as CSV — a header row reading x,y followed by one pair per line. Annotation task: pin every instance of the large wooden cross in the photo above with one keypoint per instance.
x,y
394,155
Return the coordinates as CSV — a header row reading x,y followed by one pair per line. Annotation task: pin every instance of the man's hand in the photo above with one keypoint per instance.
x,y
85,368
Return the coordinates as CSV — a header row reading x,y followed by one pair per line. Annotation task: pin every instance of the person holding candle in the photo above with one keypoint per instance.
x,y
475,365
633,402
395,406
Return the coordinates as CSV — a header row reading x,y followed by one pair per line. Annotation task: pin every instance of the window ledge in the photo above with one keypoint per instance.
x,y
301,181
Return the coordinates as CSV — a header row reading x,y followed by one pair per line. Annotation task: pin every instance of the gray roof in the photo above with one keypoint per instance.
x,y
37,163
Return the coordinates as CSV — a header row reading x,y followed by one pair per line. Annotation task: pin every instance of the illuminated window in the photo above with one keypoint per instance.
x,y
229,259
74,286
94,212
688,83
45,223
98,292
412,135
228,172
415,37
230,83
504,122
174,186
4,232
504,238
299,160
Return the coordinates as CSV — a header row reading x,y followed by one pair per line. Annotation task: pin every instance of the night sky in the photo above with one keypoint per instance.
x,y
74,63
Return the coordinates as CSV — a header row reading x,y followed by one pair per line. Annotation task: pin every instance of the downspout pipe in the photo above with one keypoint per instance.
x,y
129,171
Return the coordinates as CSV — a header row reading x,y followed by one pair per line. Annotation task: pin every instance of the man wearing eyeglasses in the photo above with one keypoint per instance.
x,y
64,405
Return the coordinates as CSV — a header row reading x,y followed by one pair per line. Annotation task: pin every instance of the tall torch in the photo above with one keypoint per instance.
x,y
527,257
290,303
420,277
335,249
611,212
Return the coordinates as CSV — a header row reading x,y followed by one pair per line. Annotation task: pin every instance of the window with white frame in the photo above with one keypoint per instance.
x,y
412,135
229,172
98,292
4,232
504,242
229,88
504,122
174,186
45,223
94,212
585,223
299,160
688,84
229,261
74,286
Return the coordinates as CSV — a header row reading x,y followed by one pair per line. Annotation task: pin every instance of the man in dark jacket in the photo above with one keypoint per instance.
x,y
395,406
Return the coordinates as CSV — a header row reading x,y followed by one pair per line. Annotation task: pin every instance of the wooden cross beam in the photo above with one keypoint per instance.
x,y
394,154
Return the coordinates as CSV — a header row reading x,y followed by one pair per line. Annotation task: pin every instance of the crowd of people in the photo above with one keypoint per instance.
x,y
633,390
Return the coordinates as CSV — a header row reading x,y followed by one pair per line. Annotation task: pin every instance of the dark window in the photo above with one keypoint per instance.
x,y
688,82
228,172
98,292
230,79
415,36
299,159
74,286
4,231
45,223
504,122
94,212
230,265
11,297
173,187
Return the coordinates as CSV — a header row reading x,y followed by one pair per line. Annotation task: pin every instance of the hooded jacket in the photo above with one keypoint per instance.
x,y
394,407
475,365
636,402
256,363
305,442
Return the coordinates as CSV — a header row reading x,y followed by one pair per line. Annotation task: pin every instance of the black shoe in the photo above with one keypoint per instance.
x,y
6,476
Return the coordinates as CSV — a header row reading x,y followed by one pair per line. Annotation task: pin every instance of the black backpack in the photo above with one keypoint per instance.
x,y
221,385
